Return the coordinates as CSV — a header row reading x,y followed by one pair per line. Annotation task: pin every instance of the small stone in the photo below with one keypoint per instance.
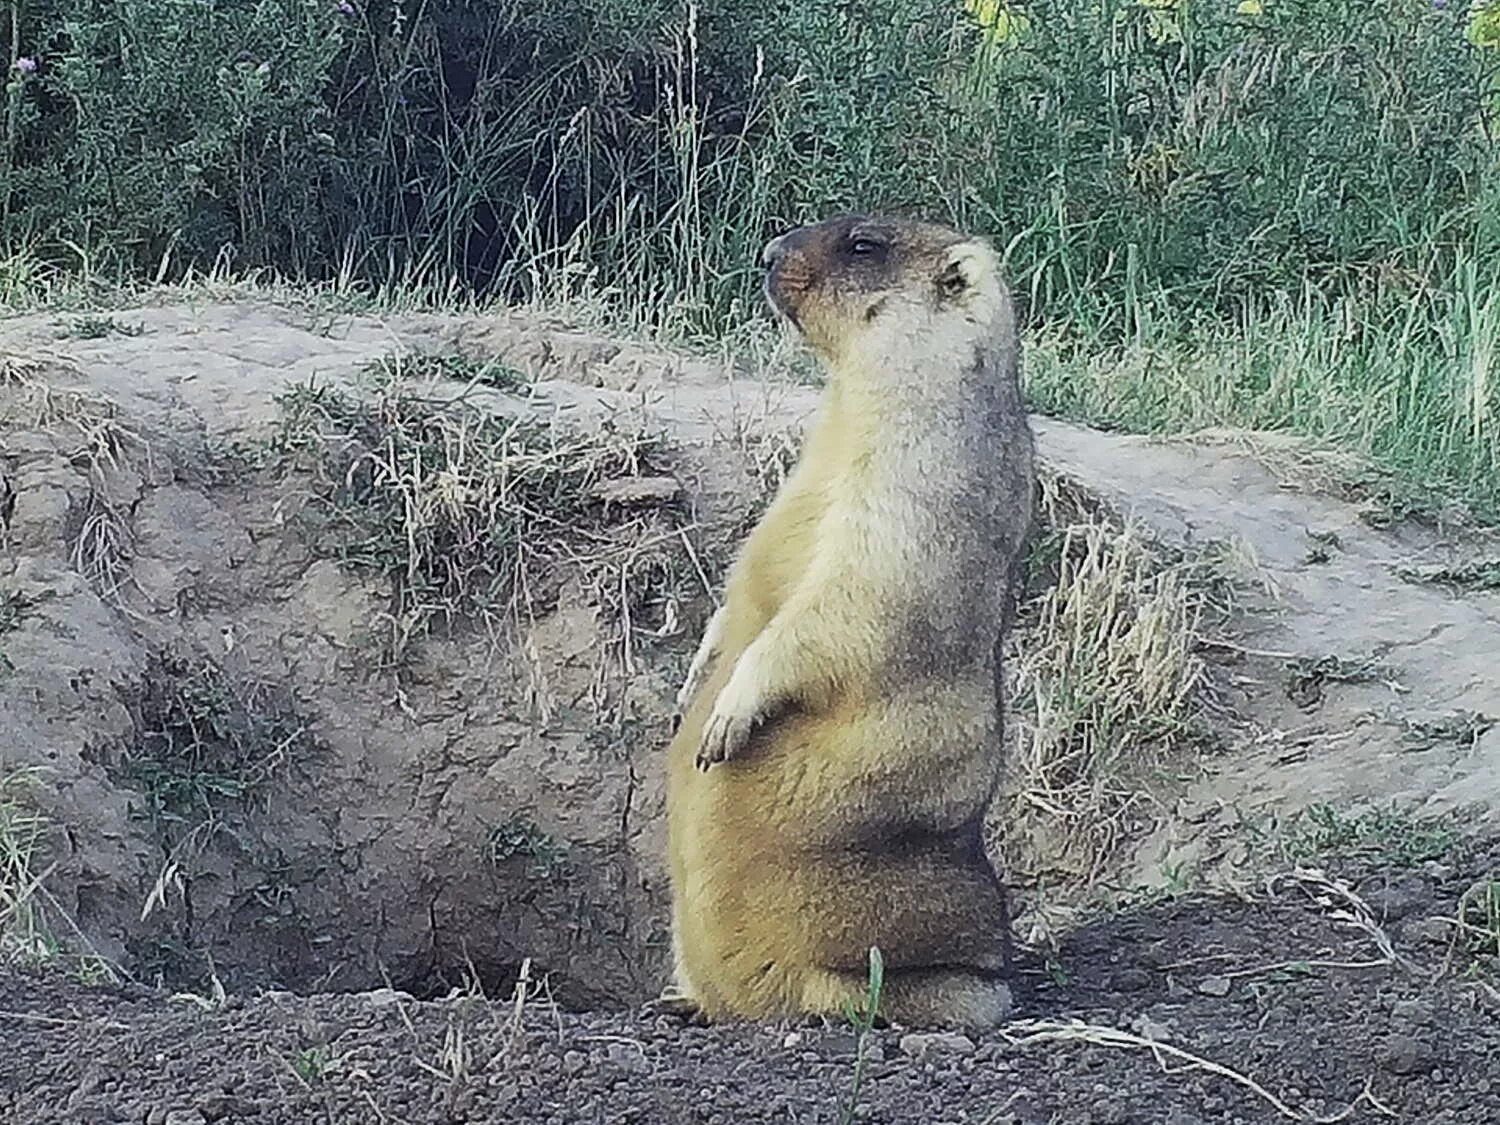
x,y
839,1044
792,1039
1401,1054
1132,980
637,490
1397,899
385,997
626,1057
574,1062
1432,931
1148,1028
1417,1009
1214,986
919,1044
185,1117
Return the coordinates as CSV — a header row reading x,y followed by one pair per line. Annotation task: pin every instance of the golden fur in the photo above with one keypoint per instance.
x,y
840,739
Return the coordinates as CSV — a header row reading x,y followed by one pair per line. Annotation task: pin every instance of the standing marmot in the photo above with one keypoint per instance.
x,y
840,740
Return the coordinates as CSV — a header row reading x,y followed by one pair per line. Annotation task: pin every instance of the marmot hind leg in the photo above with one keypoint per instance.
x,y
678,1005
916,997
678,998
942,997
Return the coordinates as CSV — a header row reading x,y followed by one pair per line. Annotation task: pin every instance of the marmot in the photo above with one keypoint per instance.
x,y
840,733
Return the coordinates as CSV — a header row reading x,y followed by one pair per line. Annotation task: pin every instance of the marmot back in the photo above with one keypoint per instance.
x,y
840,741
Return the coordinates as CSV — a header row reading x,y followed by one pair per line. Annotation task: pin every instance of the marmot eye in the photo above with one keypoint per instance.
x,y
862,246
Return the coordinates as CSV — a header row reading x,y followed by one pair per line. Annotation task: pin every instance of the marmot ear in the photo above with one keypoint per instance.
x,y
963,267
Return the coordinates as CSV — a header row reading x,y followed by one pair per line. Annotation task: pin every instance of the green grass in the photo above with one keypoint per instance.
x,y
23,932
1392,834
98,328
1478,923
464,369
1410,385
520,838
1475,574
207,748
310,1064
863,1017
1282,222
206,744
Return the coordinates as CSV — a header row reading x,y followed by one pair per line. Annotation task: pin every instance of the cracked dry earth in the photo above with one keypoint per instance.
x,y
1305,1004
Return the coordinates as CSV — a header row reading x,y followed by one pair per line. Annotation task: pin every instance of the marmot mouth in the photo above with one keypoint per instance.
x,y
779,304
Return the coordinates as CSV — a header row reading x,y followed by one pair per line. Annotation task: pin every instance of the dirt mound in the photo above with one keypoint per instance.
x,y
338,651
1357,661
1326,1001
229,667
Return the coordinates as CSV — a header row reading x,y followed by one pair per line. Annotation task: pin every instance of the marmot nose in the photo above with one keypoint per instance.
x,y
773,250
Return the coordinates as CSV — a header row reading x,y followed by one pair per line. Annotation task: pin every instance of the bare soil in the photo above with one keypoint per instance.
x,y
1307,1017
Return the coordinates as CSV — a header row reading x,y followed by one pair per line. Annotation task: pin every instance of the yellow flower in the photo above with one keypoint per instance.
x,y
1250,8
983,11
1484,24
1162,18
1002,25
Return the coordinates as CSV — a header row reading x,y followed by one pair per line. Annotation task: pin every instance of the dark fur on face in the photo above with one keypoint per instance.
x,y
845,271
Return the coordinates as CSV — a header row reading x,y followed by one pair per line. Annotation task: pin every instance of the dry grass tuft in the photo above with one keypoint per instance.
x,y
206,744
474,518
23,934
25,370
103,543
1104,689
103,546
31,917
1175,1060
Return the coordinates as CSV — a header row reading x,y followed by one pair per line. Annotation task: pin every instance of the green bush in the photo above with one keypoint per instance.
x,y
1184,148
153,125
1124,150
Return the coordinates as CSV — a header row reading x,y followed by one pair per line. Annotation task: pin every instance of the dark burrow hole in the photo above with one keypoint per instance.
x,y
214,764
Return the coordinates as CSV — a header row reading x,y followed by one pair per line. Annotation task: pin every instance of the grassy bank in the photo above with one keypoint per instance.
x,y
1409,382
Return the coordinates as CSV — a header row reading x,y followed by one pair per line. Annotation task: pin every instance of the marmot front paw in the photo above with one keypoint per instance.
x,y
734,716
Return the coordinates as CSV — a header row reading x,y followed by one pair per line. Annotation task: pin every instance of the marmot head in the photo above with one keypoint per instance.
x,y
855,278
